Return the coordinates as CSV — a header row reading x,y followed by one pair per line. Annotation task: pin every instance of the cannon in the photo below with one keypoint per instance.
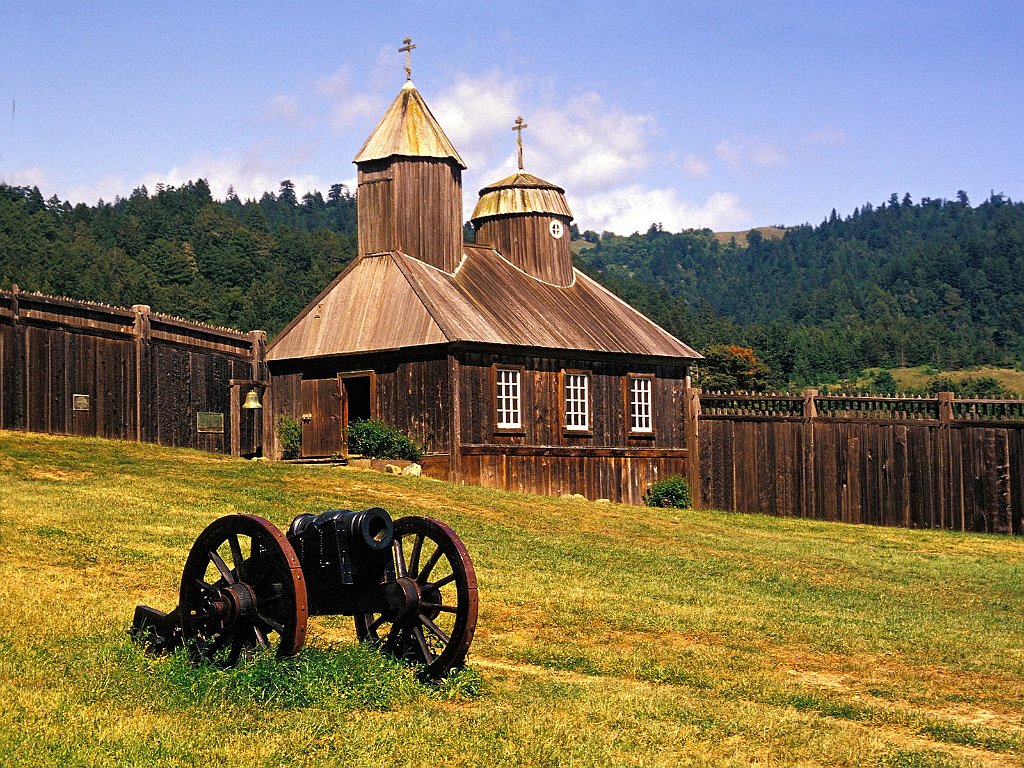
x,y
246,586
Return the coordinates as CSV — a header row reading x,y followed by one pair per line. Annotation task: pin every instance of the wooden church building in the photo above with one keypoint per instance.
x,y
511,368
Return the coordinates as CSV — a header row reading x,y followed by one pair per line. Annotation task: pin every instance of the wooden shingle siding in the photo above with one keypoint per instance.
x,y
430,230
527,243
544,401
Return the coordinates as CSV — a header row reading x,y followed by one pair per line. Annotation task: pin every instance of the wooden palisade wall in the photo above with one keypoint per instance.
x,y
936,462
144,376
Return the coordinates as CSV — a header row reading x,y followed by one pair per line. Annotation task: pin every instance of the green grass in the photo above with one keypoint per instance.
x,y
608,635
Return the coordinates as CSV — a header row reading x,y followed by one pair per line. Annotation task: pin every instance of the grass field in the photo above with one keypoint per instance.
x,y
918,379
608,635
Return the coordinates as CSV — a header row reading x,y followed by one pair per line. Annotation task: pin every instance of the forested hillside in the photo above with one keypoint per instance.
x,y
247,265
938,283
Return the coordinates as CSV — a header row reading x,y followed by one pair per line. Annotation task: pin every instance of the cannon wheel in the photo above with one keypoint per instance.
x,y
242,589
438,631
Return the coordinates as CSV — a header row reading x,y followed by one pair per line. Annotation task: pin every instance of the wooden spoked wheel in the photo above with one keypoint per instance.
x,y
434,625
242,589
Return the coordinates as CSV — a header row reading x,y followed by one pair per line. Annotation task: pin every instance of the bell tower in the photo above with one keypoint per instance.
x,y
410,183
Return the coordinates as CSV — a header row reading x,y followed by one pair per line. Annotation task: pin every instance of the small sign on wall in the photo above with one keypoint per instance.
x,y
210,423
80,402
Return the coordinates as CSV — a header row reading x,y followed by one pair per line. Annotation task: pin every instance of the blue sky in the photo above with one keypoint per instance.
x,y
726,115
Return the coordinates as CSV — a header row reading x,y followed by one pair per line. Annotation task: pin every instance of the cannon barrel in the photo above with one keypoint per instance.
x,y
371,528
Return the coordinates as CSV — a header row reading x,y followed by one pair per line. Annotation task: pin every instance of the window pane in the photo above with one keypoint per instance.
x,y
577,401
507,398
640,406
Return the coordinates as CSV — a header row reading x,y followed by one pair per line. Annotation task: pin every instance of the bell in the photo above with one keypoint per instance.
x,y
252,400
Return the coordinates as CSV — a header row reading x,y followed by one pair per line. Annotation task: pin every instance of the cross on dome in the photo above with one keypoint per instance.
x,y
407,50
519,139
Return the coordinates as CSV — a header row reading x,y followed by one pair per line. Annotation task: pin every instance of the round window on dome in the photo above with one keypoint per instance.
x,y
556,229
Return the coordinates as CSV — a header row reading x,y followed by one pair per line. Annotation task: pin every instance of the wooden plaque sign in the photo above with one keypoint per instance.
x,y
80,402
210,422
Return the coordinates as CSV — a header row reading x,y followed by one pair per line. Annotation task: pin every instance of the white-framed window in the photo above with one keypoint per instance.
x,y
640,405
577,402
508,398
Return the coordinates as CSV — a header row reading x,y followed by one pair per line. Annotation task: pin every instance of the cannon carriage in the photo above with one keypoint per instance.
x,y
408,583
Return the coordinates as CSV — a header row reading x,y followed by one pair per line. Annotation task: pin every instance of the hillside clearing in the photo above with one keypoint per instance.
x,y
608,635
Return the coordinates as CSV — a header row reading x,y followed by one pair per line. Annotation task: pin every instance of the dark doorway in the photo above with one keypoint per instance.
x,y
357,393
357,401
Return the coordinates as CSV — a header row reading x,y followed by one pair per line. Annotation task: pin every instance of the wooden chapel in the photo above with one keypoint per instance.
x,y
511,368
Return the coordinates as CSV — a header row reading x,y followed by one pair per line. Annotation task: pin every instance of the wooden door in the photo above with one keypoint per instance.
x,y
321,417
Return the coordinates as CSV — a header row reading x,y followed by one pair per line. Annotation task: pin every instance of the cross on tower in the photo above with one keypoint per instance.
x,y
519,139
407,50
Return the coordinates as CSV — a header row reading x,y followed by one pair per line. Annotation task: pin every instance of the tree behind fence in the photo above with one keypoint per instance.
x,y
917,462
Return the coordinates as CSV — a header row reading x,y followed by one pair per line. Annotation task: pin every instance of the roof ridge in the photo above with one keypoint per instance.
x,y
314,301
398,257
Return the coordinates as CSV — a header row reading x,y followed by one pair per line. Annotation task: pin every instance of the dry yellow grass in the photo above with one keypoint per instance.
x,y
608,635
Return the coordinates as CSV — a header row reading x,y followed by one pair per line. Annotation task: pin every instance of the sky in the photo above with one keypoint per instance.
x,y
725,115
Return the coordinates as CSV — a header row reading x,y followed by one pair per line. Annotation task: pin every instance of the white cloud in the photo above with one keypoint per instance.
x,y
584,143
744,154
477,116
336,85
354,108
346,106
696,166
250,173
591,144
825,137
32,176
105,188
596,151
634,208
286,107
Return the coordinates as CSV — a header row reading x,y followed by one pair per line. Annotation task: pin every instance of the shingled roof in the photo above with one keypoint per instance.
x,y
408,129
392,301
518,194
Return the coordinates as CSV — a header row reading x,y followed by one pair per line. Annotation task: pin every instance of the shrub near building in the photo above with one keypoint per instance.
x,y
673,491
377,440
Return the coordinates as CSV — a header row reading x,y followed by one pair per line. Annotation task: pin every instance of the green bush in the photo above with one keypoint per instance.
x,y
673,491
289,432
378,440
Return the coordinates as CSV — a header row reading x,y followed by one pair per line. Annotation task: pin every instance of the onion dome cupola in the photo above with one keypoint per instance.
x,y
410,183
526,219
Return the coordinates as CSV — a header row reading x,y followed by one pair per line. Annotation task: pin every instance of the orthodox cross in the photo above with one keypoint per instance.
x,y
407,50
519,139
